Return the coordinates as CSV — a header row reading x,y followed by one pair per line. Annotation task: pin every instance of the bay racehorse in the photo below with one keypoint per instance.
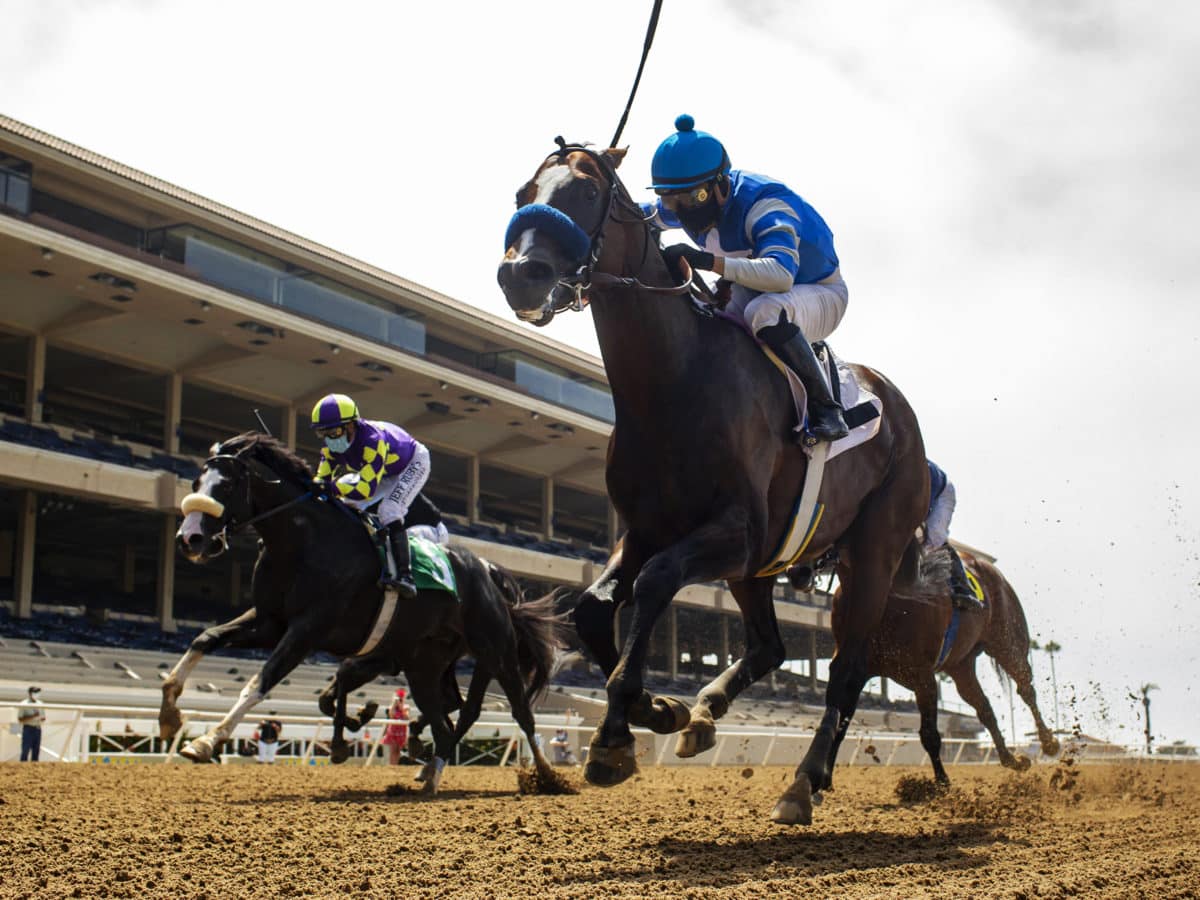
x,y
922,635
315,588
702,468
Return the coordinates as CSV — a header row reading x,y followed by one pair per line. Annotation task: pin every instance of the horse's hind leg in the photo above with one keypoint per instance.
x,y
426,691
1018,669
931,739
764,651
352,674
967,683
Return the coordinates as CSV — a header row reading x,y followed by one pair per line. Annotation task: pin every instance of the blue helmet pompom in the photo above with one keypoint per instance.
x,y
684,123
554,223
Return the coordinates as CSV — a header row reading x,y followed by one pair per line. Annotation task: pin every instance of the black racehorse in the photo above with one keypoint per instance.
x,y
511,639
315,588
703,469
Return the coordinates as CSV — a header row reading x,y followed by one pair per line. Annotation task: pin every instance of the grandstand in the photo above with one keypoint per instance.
x,y
139,323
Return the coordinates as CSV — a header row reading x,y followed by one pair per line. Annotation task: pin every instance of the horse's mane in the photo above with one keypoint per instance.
x,y
272,454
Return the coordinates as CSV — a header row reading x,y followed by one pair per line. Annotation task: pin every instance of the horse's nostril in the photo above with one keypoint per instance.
x,y
194,540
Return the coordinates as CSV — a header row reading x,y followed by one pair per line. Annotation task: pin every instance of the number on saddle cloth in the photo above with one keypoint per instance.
x,y
431,566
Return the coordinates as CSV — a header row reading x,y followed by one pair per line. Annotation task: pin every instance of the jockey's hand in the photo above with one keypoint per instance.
x,y
697,259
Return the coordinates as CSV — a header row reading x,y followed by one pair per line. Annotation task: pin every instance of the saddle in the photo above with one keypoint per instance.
x,y
430,565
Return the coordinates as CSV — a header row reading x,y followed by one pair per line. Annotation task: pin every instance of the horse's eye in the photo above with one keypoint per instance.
x,y
591,191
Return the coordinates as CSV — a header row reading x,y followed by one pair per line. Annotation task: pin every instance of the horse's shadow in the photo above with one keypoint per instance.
x,y
704,863
397,793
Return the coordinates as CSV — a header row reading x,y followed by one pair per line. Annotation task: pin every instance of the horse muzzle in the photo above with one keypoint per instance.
x,y
529,281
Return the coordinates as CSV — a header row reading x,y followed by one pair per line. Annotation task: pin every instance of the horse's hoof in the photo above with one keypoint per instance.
x,y
608,766
420,776
1051,747
430,778
662,715
699,737
795,806
339,753
367,713
1020,762
198,751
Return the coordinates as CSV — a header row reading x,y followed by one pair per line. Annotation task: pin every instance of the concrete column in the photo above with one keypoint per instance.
x,y
173,414
674,638
35,379
812,659
128,569
473,489
724,643
883,687
289,427
23,553
614,525
165,599
548,507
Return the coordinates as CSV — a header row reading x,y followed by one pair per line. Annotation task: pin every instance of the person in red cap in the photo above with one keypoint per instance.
x,y
396,735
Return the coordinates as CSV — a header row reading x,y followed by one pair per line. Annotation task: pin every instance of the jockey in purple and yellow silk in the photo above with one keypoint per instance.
x,y
773,246
365,463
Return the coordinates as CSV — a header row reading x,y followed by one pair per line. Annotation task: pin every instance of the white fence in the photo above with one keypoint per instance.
x,y
124,734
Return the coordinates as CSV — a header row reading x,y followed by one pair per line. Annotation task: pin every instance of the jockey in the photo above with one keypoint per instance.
x,y
774,248
364,463
942,500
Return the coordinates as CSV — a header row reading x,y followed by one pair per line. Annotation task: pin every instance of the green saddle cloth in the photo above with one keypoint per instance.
x,y
431,566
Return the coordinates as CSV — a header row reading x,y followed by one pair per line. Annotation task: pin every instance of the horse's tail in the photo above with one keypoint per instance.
x,y
928,576
541,631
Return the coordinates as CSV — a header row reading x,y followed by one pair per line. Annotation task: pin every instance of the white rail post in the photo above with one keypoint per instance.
x,y
958,753
717,751
897,743
174,748
71,735
770,746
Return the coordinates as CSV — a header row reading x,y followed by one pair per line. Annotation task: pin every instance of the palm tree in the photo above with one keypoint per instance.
x,y
1145,692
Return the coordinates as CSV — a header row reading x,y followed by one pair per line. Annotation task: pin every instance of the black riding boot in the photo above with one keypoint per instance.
x,y
403,582
825,420
961,594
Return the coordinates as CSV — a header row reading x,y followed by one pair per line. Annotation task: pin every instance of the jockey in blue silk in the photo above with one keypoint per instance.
x,y
365,463
942,500
773,247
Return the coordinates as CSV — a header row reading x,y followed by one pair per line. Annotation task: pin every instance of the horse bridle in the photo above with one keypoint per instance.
x,y
585,277
231,527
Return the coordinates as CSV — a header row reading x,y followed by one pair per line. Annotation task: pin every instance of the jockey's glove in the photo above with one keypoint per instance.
x,y
697,259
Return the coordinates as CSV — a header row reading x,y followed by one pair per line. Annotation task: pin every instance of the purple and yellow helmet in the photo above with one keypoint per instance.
x,y
333,410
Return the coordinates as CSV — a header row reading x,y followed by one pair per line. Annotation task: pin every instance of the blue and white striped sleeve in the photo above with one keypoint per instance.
x,y
773,229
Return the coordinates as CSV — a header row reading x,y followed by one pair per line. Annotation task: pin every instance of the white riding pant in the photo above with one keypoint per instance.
x,y
397,492
266,751
816,309
937,525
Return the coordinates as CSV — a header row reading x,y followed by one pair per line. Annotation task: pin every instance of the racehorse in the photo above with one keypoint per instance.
x,y
512,639
703,469
315,588
910,648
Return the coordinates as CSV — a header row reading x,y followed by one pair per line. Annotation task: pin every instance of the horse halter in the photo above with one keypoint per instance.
x,y
204,503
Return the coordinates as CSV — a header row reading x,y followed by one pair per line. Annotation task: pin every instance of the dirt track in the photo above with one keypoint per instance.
x,y
248,831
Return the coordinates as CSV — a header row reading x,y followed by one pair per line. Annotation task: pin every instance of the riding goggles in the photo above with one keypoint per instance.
x,y
336,432
692,198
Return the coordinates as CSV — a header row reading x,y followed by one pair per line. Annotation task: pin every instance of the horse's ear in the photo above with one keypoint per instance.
x,y
616,155
526,193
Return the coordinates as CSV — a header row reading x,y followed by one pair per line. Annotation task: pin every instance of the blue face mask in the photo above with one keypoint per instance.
x,y
338,444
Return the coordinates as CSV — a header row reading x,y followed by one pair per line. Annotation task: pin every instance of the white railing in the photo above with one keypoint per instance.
x,y
100,733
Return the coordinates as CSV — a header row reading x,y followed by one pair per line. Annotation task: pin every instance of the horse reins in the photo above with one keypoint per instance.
x,y
585,277
236,527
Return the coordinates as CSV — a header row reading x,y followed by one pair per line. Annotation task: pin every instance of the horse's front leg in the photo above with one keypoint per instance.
x,y
764,652
709,553
297,642
594,617
245,630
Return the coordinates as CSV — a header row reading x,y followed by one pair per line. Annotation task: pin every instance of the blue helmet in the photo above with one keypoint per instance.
x,y
687,158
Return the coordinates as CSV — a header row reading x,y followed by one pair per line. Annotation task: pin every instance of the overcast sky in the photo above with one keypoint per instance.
x,y
1013,186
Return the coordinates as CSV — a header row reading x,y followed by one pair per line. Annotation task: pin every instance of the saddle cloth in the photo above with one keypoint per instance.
x,y
430,565
955,616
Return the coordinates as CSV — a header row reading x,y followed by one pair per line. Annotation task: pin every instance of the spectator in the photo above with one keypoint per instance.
x,y
396,734
31,716
268,738
560,749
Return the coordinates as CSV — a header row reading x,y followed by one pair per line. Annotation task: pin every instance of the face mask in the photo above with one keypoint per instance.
x,y
700,219
338,444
